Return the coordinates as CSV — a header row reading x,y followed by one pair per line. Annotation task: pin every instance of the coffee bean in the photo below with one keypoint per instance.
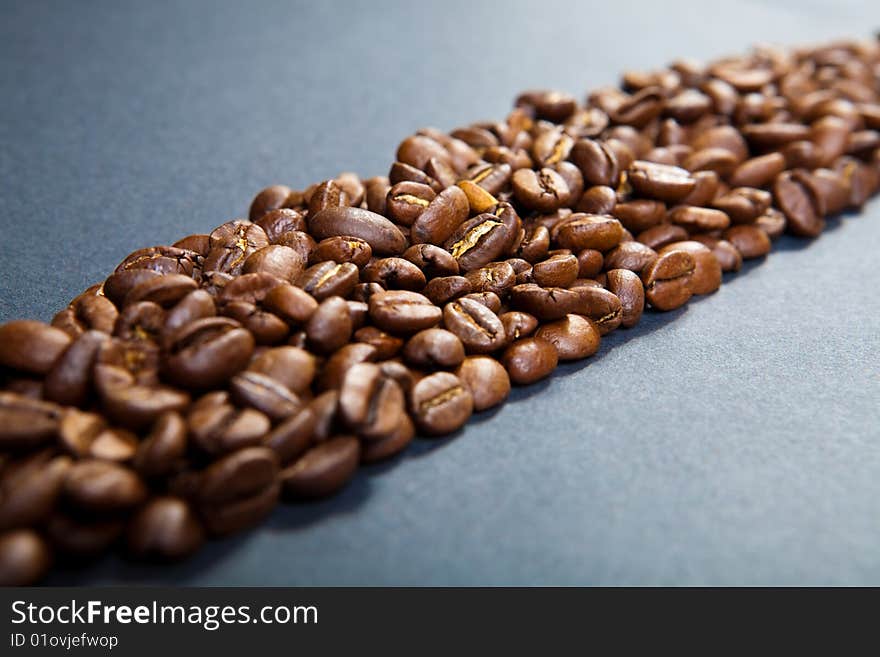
x,y
79,538
479,241
698,219
488,299
727,255
87,313
328,279
395,274
406,201
440,404
299,241
797,197
103,487
597,162
343,360
232,244
706,276
600,305
772,222
496,277
486,379
546,304
444,289
432,260
327,195
574,337
518,324
386,345
659,181
544,190
322,470
207,352
165,529
706,185
661,235
163,448
633,256
584,231
529,360
291,366
370,403
292,437
628,288
590,263
69,381
29,489
30,346
639,214
434,348
282,262
667,280
270,198
26,423
330,325
24,557
276,223
195,305
441,218
394,443
478,198
265,394
383,237
478,328
750,241
401,312
758,171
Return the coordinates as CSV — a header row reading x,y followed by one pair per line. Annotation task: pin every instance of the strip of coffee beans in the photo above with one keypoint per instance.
x,y
202,382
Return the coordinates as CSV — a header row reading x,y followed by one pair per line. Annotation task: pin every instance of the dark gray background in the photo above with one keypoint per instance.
x,y
735,441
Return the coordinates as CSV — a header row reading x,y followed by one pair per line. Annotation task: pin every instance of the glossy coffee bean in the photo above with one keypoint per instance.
x,y
600,305
544,190
322,470
476,326
30,488
207,352
342,249
402,312
574,336
291,366
443,289
433,260
727,255
394,443
386,345
529,360
486,379
163,448
383,236
394,274
440,404
583,231
627,286
706,276
496,277
370,403
434,349
667,280
165,529
30,346
750,241
102,487
694,219
270,198
546,304
330,326
25,557
442,217
26,423
797,197
406,201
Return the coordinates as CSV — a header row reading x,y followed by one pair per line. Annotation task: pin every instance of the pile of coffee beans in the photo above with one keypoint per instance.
x,y
201,383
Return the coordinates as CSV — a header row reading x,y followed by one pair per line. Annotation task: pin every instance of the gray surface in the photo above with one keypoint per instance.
x,y
732,442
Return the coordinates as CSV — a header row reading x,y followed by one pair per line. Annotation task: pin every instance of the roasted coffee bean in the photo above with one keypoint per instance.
x,y
758,171
432,260
797,197
325,407
556,271
659,181
30,346
484,238
163,448
343,360
774,135
222,428
600,305
276,223
479,199
268,199
322,470
722,136
750,241
628,288
706,185
164,529
359,312
328,279
327,195
418,149
386,345
289,303
292,437
402,172
406,201
478,327
77,538
698,219
590,263
299,241
92,312
383,237
26,423
396,442
401,312
744,204
598,199
546,304
282,262
518,324
69,381
586,231
667,280
102,487
489,299
87,435
232,244
535,243
486,379
170,260
706,276
639,214
441,218
574,337
29,489
496,277
434,349
131,404
529,360
394,274
772,222
164,290
544,190
553,106
330,325
832,188
24,557
263,393
207,352
634,256
444,289
370,403
662,235
195,305
597,162
440,404
291,366
376,192
718,160
727,255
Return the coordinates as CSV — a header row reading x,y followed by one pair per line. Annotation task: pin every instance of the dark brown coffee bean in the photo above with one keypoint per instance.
x,y
328,279
322,470
90,312
478,328
659,181
833,188
406,201
77,431
585,231
627,286
394,274
69,382
600,305
530,360
383,237
546,304
103,487
195,305
441,218
723,136
831,134
661,235
727,255
164,290
207,352
77,538
29,489
418,149
433,260
706,276
401,312
386,345
639,214
343,360
489,299
30,346
774,135
268,199
293,436
232,244
26,423
299,241
667,280
598,199
330,325
446,288
553,106
370,403
706,184
750,241
590,263
402,172
276,223
328,194
698,219
597,162
263,393
758,171
544,190
282,262
359,312
441,404
434,349
574,337
518,324
718,160
291,366
165,529
634,256
163,448
396,442
132,404
556,271
24,557
496,277
744,204
772,222
484,238
486,379
797,197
